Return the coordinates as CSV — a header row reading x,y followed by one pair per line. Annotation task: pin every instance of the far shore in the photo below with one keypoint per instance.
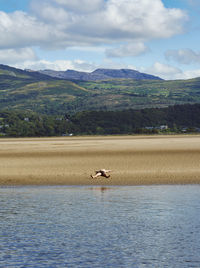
x,y
134,160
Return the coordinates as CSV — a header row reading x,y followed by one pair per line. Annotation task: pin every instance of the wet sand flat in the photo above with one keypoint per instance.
x,y
135,160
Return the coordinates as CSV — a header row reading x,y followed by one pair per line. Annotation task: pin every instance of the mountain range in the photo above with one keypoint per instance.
x,y
38,92
100,74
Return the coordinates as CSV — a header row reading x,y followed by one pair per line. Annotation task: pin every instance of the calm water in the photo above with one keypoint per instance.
x,y
147,226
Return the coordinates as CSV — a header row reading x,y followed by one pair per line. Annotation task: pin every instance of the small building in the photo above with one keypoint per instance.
x,y
67,135
163,127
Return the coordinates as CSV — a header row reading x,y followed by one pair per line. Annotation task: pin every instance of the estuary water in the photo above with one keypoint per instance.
x,y
60,226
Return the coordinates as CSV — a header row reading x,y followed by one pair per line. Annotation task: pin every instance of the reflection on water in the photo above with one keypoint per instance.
x,y
147,226
102,189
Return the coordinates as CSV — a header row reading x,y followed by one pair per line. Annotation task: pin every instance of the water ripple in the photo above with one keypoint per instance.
x,y
152,226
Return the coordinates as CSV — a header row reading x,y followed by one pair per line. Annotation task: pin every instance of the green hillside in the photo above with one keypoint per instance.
x,y
32,91
120,94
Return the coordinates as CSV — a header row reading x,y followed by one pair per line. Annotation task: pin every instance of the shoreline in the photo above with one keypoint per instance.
x,y
135,160
100,187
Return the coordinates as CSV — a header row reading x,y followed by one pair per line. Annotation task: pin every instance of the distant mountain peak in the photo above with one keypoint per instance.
x,y
100,74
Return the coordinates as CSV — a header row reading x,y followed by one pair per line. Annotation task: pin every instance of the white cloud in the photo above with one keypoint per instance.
x,y
184,56
145,19
58,65
130,50
190,74
9,56
19,29
60,23
164,71
169,72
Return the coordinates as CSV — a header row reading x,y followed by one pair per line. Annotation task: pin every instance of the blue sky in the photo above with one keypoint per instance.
x,y
159,37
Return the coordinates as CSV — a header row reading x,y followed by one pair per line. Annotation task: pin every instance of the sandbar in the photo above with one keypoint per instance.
x,y
134,160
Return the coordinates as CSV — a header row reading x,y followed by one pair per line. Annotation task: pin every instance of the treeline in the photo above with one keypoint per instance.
x,y
176,118
28,124
179,118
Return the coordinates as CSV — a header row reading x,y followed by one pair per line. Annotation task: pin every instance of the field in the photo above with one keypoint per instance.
x,y
134,160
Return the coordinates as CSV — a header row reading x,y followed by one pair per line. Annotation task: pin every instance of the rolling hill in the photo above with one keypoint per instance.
x,y
33,91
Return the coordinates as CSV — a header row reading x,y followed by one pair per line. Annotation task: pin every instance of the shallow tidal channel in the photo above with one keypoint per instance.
x,y
83,226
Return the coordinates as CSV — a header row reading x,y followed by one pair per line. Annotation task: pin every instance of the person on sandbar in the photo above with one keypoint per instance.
x,y
101,172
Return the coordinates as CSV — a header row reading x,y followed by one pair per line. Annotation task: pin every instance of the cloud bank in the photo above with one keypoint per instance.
x,y
57,65
169,72
13,56
125,26
64,23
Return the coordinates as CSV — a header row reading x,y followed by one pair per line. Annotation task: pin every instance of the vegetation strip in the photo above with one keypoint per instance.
x,y
174,119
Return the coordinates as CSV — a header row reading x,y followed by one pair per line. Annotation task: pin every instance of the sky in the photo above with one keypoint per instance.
x,y
159,37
